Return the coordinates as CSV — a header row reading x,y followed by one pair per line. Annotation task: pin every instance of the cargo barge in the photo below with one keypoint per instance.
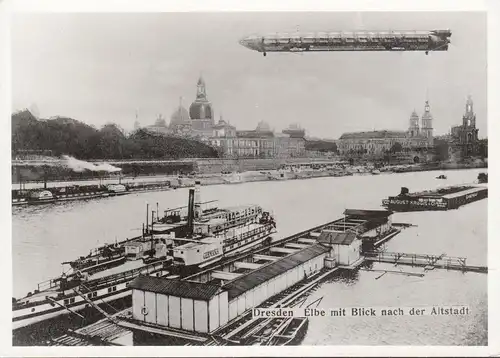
x,y
447,198
84,192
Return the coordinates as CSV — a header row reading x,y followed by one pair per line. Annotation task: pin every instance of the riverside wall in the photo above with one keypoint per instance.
x,y
244,165
210,170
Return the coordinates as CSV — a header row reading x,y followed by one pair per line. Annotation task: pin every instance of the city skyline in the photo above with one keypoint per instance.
x,y
107,72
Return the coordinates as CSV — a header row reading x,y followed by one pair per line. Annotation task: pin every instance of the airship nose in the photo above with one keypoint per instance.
x,y
250,42
245,42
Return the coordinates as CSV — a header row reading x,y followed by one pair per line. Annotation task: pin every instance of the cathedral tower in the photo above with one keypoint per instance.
x,y
414,128
469,118
427,130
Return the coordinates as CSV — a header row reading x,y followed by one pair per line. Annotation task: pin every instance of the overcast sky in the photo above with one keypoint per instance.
x,y
100,68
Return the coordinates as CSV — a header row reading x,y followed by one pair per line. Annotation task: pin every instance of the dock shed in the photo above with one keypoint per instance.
x,y
373,222
250,290
345,246
186,305
204,307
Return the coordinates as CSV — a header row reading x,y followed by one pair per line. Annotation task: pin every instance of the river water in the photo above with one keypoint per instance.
x,y
45,236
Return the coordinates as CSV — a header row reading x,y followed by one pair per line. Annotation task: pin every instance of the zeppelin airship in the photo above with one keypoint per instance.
x,y
436,40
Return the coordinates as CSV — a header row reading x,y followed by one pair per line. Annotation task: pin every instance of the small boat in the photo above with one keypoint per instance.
x,y
441,177
376,172
290,333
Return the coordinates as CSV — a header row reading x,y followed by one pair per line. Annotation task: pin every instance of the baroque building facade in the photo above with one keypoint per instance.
x,y
464,137
262,142
379,142
198,122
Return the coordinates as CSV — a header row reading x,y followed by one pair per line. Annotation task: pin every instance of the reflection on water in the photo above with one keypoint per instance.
x,y
44,236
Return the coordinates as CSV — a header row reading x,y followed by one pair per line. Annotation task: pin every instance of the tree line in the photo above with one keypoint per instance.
x,y
68,136
321,146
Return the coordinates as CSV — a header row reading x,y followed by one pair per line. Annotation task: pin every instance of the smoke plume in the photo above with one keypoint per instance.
x,y
80,165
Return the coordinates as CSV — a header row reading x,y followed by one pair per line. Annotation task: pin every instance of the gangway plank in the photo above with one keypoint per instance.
x,y
66,308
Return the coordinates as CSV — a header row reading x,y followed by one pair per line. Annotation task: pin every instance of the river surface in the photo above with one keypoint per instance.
x,y
45,236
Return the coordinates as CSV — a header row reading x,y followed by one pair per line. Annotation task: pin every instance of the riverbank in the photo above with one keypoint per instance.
x,y
180,181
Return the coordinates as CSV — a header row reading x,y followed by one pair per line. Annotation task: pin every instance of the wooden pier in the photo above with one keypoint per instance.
x,y
429,262
104,332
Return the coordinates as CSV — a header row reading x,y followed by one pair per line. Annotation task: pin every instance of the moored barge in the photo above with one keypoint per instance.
x,y
440,199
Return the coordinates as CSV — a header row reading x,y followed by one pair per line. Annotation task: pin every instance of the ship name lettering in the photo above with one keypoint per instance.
x,y
210,253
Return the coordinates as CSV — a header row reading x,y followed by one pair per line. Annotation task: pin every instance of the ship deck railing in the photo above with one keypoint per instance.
x,y
250,233
123,276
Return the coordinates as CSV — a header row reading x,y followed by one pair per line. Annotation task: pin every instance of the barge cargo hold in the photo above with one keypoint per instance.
x,y
440,199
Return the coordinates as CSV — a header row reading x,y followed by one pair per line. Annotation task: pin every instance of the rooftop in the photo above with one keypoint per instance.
x,y
254,278
254,134
373,134
368,213
336,237
184,289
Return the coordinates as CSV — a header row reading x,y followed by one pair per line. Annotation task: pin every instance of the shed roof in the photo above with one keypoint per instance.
x,y
267,272
336,237
374,135
368,213
184,289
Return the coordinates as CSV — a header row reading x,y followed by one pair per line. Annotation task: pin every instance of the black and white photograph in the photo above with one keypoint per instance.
x,y
249,179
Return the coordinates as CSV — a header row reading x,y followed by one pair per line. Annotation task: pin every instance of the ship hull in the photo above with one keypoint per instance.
x,y
186,270
25,317
416,203
110,290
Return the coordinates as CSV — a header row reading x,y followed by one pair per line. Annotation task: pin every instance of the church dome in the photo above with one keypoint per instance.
x,y
263,127
179,116
201,108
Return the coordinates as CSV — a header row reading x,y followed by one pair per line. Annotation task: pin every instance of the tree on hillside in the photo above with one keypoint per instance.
x,y
68,136
441,150
112,141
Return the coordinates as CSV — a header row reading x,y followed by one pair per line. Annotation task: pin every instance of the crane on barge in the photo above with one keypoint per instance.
x,y
434,40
